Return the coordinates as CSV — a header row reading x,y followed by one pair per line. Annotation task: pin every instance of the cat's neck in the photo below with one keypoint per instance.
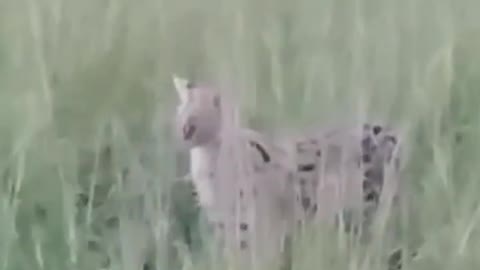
x,y
203,163
206,153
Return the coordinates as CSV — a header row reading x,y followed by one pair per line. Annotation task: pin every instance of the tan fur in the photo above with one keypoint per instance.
x,y
248,200
243,177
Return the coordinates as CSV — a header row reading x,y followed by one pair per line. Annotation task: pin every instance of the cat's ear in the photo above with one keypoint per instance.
x,y
181,86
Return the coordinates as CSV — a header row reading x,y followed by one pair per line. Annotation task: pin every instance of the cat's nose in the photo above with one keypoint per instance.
x,y
188,131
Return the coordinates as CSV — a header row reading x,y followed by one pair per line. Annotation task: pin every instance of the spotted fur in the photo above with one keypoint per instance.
x,y
380,152
253,189
349,163
239,178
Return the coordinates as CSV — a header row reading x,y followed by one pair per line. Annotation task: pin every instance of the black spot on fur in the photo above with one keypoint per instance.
x,y
306,202
395,259
377,130
374,176
306,167
318,153
368,173
300,147
220,225
371,196
241,193
265,156
314,208
391,139
243,244
366,185
366,158
243,226
367,144
368,149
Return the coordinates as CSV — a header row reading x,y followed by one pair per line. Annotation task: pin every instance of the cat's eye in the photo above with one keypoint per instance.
x,y
190,85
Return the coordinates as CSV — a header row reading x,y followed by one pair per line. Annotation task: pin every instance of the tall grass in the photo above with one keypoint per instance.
x,y
87,159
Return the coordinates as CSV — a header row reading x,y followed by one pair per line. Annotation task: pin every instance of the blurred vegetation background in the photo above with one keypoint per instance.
x,y
88,163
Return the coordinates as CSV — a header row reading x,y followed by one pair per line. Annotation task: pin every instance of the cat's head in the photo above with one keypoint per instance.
x,y
198,116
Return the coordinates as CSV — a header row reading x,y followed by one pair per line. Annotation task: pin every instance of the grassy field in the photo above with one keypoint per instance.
x,y
87,158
